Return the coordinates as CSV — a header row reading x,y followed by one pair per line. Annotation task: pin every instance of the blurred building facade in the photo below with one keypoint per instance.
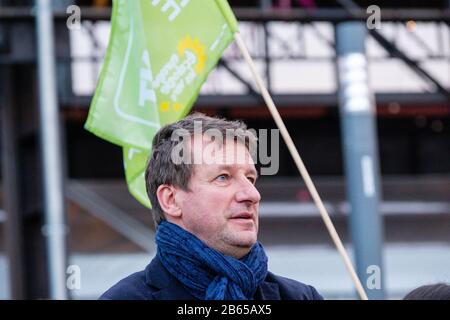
x,y
293,44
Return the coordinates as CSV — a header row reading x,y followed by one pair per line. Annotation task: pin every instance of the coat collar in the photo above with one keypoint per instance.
x,y
169,288
268,290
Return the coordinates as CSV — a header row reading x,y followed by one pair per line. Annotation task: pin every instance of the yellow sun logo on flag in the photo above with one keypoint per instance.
x,y
193,45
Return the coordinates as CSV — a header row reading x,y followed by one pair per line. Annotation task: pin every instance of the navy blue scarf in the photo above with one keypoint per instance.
x,y
206,273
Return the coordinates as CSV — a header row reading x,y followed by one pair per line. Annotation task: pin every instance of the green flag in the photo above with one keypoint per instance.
x,y
160,52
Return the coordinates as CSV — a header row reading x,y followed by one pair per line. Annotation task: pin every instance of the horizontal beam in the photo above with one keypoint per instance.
x,y
289,100
256,14
285,209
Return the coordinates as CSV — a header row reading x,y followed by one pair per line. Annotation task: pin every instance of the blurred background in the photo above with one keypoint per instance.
x,y
367,103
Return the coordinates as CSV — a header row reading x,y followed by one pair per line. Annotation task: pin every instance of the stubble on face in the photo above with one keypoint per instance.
x,y
210,206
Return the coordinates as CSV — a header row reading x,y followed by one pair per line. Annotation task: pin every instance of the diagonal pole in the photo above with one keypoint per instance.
x,y
301,167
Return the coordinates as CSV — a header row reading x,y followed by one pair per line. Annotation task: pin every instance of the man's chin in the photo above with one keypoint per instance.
x,y
241,240
246,240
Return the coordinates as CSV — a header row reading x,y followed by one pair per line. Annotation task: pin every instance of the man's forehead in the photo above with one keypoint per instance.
x,y
210,157
226,152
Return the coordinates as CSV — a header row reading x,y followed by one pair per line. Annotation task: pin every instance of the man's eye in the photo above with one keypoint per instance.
x,y
222,177
251,179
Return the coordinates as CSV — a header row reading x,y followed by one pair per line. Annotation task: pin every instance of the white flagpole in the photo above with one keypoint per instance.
x,y
301,167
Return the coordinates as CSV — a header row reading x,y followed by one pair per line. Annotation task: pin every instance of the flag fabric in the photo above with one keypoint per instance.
x,y
159,54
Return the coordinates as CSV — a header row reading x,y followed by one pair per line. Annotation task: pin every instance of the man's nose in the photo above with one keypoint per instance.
x,y
247,192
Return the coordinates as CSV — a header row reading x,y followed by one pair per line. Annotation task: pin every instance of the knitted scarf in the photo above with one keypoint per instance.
x,y
206,273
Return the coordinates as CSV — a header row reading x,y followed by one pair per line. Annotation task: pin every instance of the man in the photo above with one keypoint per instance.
x,y
201,182
437,291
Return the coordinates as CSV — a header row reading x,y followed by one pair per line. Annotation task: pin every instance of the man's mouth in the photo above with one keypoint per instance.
x,y
243,215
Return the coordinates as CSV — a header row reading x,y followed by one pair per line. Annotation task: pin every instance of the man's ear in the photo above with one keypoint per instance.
x,y
167,200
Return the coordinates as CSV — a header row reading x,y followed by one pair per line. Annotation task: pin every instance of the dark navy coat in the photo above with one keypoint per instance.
x,y
156,283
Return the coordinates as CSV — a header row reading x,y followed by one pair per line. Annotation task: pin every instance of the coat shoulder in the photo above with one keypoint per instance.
x,y
132,287
294,290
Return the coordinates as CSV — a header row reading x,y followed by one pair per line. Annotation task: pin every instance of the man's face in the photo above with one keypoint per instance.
x,y
221,207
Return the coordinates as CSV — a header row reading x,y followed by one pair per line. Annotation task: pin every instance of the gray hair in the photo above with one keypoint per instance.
x,y
161,169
